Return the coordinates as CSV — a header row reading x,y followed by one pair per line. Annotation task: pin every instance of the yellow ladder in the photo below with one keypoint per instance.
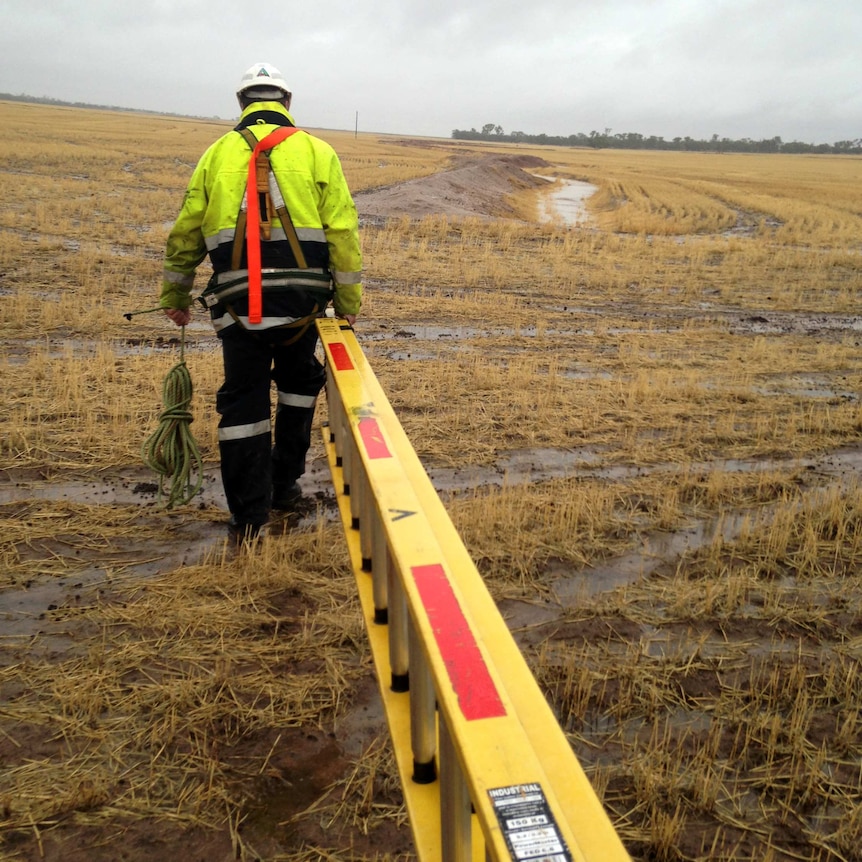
x,y
486,770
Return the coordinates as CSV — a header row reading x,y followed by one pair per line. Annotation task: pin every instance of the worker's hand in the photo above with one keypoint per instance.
x,y
350,318
180,316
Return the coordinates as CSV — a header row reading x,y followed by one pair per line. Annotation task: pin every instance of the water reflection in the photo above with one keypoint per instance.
x,y
566,201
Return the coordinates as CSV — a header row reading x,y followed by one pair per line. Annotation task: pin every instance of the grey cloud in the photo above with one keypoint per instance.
x,y
671,67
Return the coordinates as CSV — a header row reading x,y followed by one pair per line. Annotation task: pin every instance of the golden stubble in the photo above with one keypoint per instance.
x,y
690,347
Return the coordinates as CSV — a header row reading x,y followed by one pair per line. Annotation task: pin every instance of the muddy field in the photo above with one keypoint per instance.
x,y
651,443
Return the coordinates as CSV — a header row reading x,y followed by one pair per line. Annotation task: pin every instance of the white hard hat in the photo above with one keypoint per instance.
x,y
262,76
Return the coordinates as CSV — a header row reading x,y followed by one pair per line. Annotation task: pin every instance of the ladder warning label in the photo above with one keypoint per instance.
x,y
528,824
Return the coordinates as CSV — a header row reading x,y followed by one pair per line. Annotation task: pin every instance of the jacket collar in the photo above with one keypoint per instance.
x,y
264,113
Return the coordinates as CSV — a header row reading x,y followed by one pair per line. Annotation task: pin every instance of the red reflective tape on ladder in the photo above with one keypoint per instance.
x,y
372,438
477,695
252,235
340,357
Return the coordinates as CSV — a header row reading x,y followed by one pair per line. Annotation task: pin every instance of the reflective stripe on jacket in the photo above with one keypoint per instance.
x,y
310,179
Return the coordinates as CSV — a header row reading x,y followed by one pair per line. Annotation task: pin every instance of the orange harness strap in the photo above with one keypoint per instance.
x,y
255,293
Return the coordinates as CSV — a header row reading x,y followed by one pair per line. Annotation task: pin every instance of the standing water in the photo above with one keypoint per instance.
x,y
565,202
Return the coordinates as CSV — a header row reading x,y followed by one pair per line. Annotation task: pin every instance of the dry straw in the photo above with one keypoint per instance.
x,y
679,377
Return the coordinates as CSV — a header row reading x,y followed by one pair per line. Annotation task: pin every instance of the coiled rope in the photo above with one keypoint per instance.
x,y
171,451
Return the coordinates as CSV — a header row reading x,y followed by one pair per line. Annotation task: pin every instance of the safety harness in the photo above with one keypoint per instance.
x,y
264,200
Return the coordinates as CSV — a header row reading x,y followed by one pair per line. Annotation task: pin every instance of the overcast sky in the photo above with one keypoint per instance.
x,y
736,68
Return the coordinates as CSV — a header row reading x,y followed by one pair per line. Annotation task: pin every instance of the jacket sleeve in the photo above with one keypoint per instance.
x,y
341,226
186,247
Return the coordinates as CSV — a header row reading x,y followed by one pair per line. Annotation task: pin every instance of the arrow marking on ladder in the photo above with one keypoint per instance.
x,y
400,514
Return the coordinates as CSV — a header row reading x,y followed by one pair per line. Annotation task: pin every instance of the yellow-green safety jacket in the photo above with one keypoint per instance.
x,y
311,182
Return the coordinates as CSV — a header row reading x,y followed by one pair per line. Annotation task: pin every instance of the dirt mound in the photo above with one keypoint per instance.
x,y
477,188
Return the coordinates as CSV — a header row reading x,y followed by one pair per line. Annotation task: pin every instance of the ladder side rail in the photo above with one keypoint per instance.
x,y
497,741
584,809
388,656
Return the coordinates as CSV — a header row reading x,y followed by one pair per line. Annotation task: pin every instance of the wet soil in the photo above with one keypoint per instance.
x,y
26,609
303,764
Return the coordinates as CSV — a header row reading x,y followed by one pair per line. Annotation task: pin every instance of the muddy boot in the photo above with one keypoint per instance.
x,y
243,536
286,498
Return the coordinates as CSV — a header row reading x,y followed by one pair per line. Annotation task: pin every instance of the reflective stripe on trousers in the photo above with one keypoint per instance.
x,y
250,464
291,399
240,432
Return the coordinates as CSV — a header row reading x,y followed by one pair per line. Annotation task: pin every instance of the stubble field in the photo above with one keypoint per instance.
x,y
646,426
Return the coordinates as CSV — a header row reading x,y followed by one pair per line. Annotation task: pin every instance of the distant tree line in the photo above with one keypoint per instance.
x,y
635,141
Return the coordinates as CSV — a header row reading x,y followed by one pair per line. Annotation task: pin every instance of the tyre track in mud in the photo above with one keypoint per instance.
x,y
42,606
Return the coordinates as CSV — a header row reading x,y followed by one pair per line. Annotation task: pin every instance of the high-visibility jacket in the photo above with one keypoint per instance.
x,y
315,192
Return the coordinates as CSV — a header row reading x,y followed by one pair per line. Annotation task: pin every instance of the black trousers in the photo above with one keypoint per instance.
x,y
254,461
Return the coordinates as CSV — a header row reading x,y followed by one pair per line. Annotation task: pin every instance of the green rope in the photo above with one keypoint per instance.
x,y
171,451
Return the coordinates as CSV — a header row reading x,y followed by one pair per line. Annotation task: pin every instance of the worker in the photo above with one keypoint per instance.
x,y
270,279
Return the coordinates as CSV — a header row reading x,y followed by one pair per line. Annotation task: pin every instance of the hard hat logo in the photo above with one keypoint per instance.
x,y
263,75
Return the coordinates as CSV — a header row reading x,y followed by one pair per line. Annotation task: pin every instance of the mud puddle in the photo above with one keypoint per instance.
x,y
24,608
569,588
658,319
428,332
537,465
40,611
566,201
133,485
657,548
19,352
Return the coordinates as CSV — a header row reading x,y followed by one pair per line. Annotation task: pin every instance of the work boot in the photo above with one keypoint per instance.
x,y
285,498
241,535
